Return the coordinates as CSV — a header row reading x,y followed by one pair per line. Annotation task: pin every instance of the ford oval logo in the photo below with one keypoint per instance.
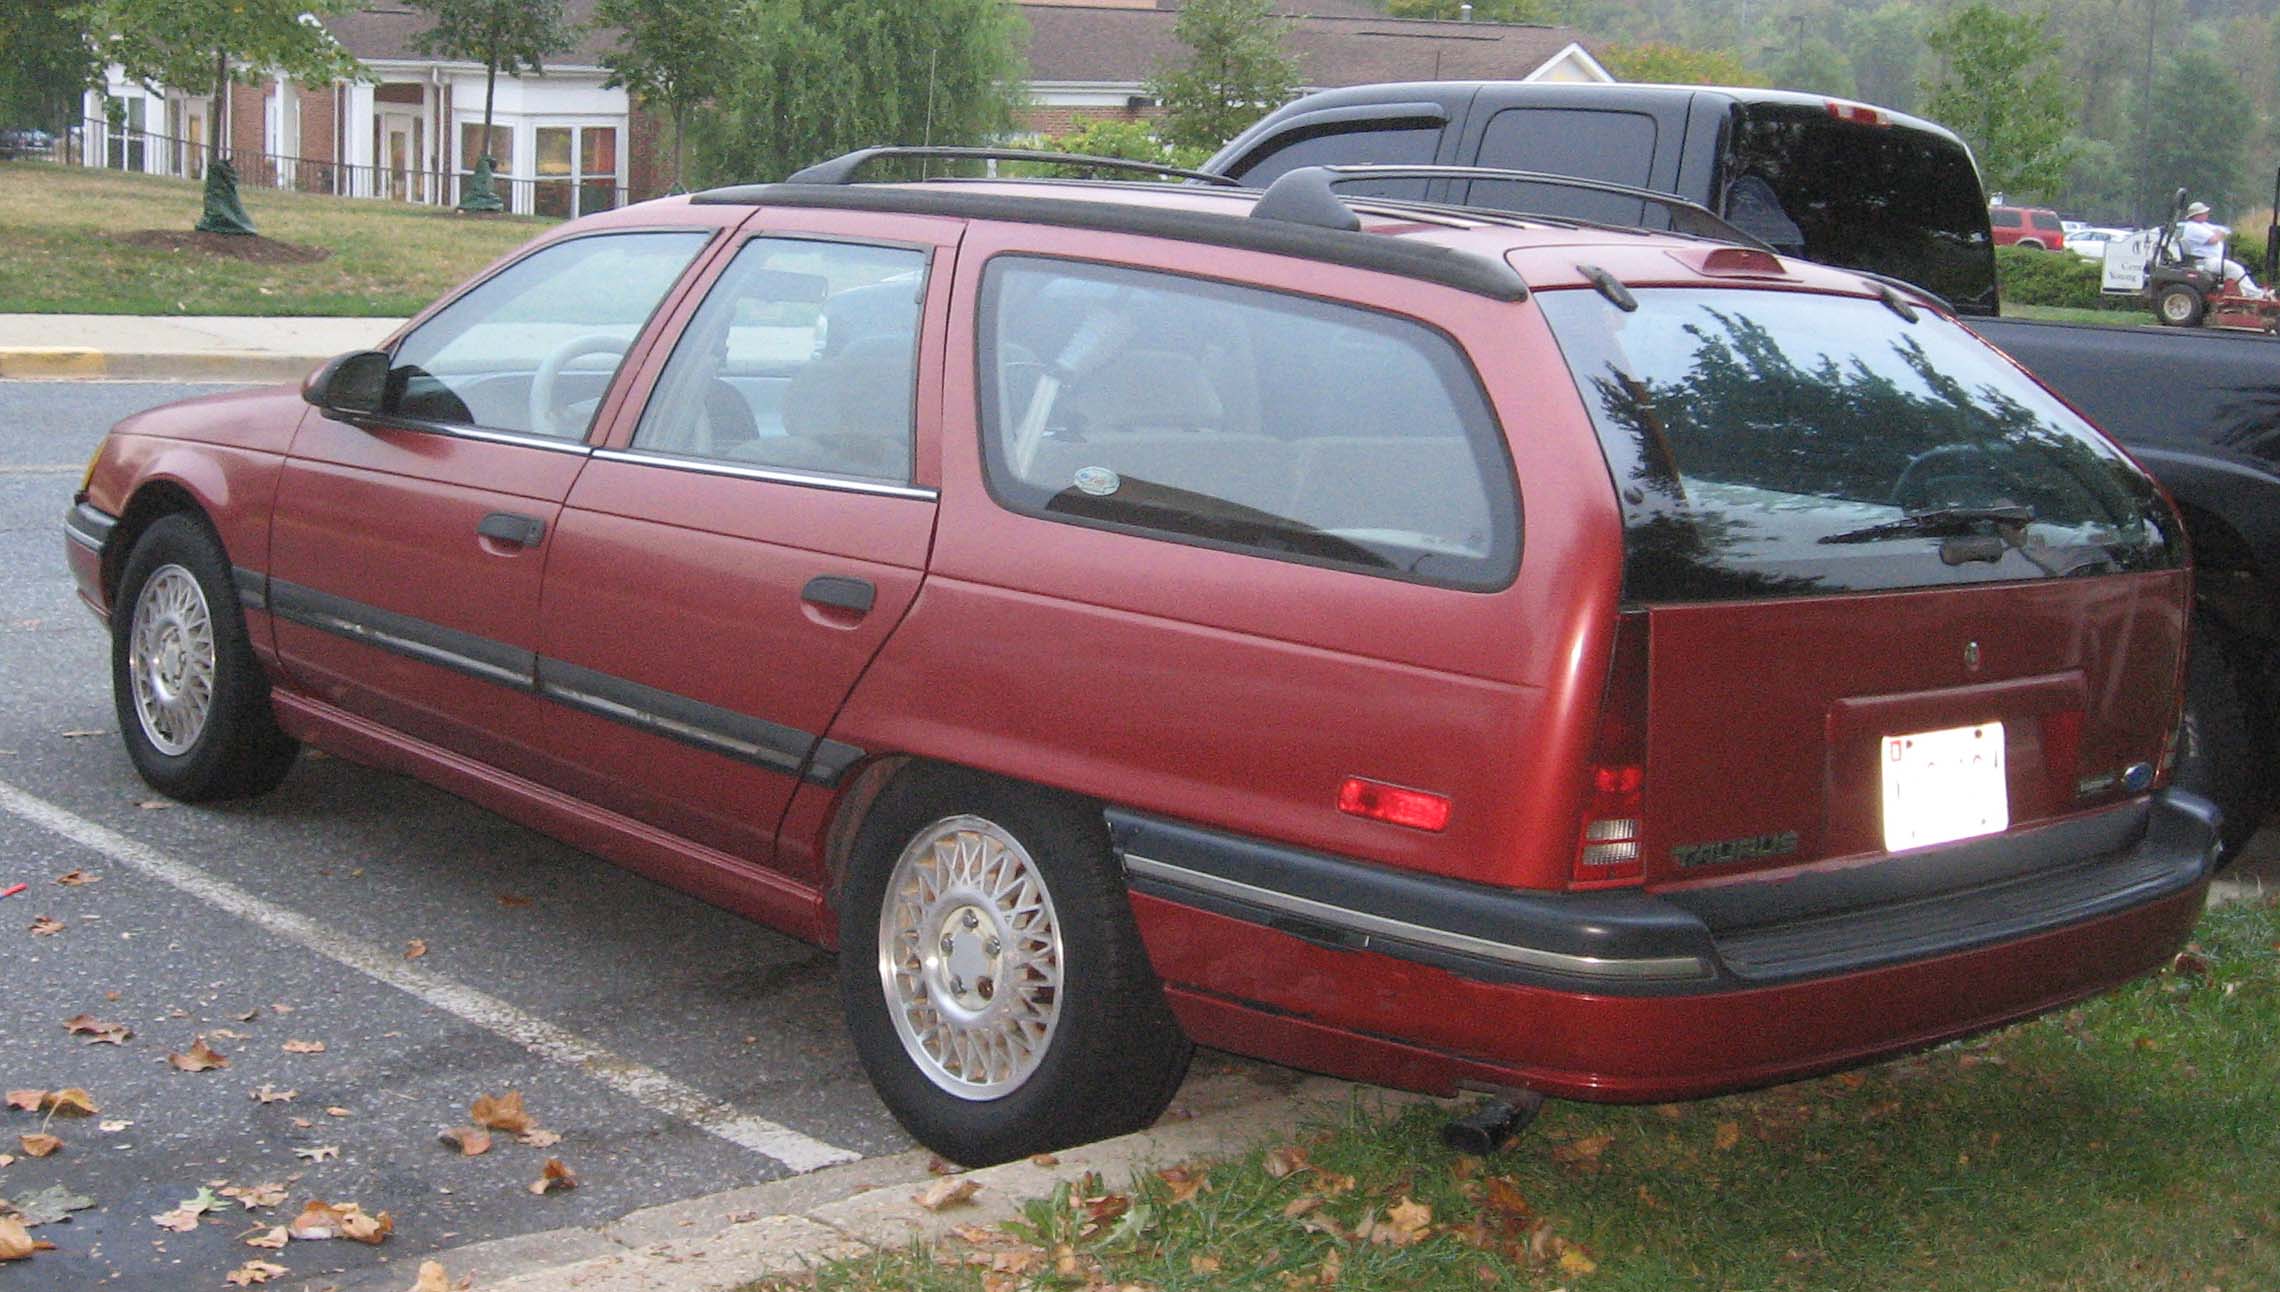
x,y
1097,481
2137,776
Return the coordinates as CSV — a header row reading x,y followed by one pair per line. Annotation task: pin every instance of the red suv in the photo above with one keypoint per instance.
x,y
2034,227
1439,647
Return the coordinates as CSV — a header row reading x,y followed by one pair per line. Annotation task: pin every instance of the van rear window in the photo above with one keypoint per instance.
x,y
1769,444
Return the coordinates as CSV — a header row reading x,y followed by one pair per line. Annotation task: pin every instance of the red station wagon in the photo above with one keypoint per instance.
x,y
1445,648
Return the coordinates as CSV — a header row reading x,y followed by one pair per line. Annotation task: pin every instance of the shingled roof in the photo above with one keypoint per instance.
x,y
390,32
1334,42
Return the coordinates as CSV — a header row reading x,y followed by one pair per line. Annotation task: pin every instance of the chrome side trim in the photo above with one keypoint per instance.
x,y
703,466
1340,917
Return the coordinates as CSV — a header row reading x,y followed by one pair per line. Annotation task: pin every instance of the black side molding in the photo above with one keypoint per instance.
x,y
89,526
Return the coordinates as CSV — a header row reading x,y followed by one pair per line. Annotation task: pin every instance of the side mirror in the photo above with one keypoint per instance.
x,y
354,384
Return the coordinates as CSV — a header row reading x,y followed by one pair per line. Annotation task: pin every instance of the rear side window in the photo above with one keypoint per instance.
x,y
1242,419
1769,444
1615,146
1380,144
1890,199
2003,217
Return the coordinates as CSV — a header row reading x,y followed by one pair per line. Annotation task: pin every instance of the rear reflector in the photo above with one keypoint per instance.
x,y
1378,801
1608,851
1860,114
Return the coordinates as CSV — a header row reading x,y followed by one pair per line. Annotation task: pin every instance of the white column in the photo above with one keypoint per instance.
x,y
356,132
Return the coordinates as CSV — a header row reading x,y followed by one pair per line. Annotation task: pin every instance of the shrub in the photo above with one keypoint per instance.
x,y
2030,277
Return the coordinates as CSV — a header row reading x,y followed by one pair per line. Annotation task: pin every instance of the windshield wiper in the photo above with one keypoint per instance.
x,y
1937,522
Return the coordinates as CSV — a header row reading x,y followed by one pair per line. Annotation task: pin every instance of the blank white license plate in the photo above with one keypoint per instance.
x,y
1940,786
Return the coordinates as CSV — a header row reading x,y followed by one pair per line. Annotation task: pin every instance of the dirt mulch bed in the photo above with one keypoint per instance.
x,y
237,246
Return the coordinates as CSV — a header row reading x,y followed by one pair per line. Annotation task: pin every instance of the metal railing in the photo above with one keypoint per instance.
x,y
97,143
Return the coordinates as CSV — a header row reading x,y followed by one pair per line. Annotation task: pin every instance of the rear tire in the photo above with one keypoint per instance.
x,y
2180,306
193,703
2218,755
991,975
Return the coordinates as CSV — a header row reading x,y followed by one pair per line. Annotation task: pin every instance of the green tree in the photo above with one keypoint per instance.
x,y
504,36
1658,62
1886,46
2201,124
1814,65
1124,140
1235,72
2001,88
200,46
671,54
1482,10
810,79
48,63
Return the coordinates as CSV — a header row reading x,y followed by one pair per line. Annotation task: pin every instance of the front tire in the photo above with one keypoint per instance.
x,y
193,703
991,975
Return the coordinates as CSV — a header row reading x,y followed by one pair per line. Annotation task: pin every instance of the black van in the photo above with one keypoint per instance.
x,y
1831,180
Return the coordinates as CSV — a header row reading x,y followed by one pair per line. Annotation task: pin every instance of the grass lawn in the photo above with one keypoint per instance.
x,y
2131,1144
388,258
2065,314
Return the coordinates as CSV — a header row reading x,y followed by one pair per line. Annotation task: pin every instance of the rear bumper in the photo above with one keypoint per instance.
x,y
1426,984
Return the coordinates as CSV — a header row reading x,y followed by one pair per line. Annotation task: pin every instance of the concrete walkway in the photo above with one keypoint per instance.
x,y
186,348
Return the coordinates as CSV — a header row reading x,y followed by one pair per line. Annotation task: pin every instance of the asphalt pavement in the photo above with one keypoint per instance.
x,y
436,952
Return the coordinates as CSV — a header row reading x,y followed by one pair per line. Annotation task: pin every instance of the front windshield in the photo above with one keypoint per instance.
x,y
1771,443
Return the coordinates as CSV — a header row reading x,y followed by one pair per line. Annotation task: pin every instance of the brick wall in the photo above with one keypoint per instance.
x,y
320,133
247,115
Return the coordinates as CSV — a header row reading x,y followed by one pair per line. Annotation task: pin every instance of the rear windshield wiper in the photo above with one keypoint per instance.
x,y
1937,522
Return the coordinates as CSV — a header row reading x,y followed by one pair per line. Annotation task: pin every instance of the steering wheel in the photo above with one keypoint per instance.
x,y
542,382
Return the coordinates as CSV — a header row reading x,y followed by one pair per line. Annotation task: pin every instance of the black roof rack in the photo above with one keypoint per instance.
x,y
841,169
1306,196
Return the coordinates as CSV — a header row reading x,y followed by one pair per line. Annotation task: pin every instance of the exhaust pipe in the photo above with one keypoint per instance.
x,y
1494,1124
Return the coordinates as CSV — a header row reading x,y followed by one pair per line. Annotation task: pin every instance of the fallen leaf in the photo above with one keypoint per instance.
x,y
1504,1197
469,1140
68,1102
556,1177
1203,1264
227,1034
269,1094
950,1191
1574,1262
74,878
369,1230
1285,1161
26,1100
255,1195
303,1047
38,1145
16,1241
1585,1151
940,1165
1728,1135
318,1220
415,948
432,1278
272,1237
504,1113
321,1153
253,1272
511,900
7,1159
338,1112
1333,1265
112,1126
154,805
276,1008
2190,963
49,1205
201,1058
46,925
248,1016
1044,1160
97,1031
539,1138
1300,1206
180,1220
1405,1223
1181,1182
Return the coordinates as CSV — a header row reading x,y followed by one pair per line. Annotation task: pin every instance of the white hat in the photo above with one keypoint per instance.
x,y
2198,208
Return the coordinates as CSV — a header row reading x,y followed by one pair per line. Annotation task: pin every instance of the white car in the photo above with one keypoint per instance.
x,y
2089,242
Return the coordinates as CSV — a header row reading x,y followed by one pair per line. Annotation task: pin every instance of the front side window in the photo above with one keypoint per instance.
x,y
532,349
1244,419
802,358
1769,444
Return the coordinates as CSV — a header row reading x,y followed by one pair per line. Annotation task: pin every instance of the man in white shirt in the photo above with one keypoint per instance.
x,y
2202,242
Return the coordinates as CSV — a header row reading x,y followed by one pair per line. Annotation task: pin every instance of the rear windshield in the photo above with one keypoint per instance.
x,y
1770,443
1889,199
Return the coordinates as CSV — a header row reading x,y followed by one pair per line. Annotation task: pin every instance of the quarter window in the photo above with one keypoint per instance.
x,y
533,348
802,358
1240,418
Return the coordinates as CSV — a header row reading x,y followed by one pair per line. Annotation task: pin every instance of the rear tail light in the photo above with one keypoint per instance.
x,y
1860,114
1608,851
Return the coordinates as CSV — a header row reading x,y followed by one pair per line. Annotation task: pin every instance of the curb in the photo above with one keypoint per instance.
x,y
53,363
728,1240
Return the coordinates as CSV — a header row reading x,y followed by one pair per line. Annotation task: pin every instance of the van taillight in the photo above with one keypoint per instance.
x,y
1614,819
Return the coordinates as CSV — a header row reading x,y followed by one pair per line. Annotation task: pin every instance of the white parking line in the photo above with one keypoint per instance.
x,y
647,1084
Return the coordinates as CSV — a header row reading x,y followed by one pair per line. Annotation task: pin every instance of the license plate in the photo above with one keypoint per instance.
x,y
1940,786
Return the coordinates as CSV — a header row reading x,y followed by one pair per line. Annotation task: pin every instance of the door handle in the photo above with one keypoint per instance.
x,y
839,592
511,529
